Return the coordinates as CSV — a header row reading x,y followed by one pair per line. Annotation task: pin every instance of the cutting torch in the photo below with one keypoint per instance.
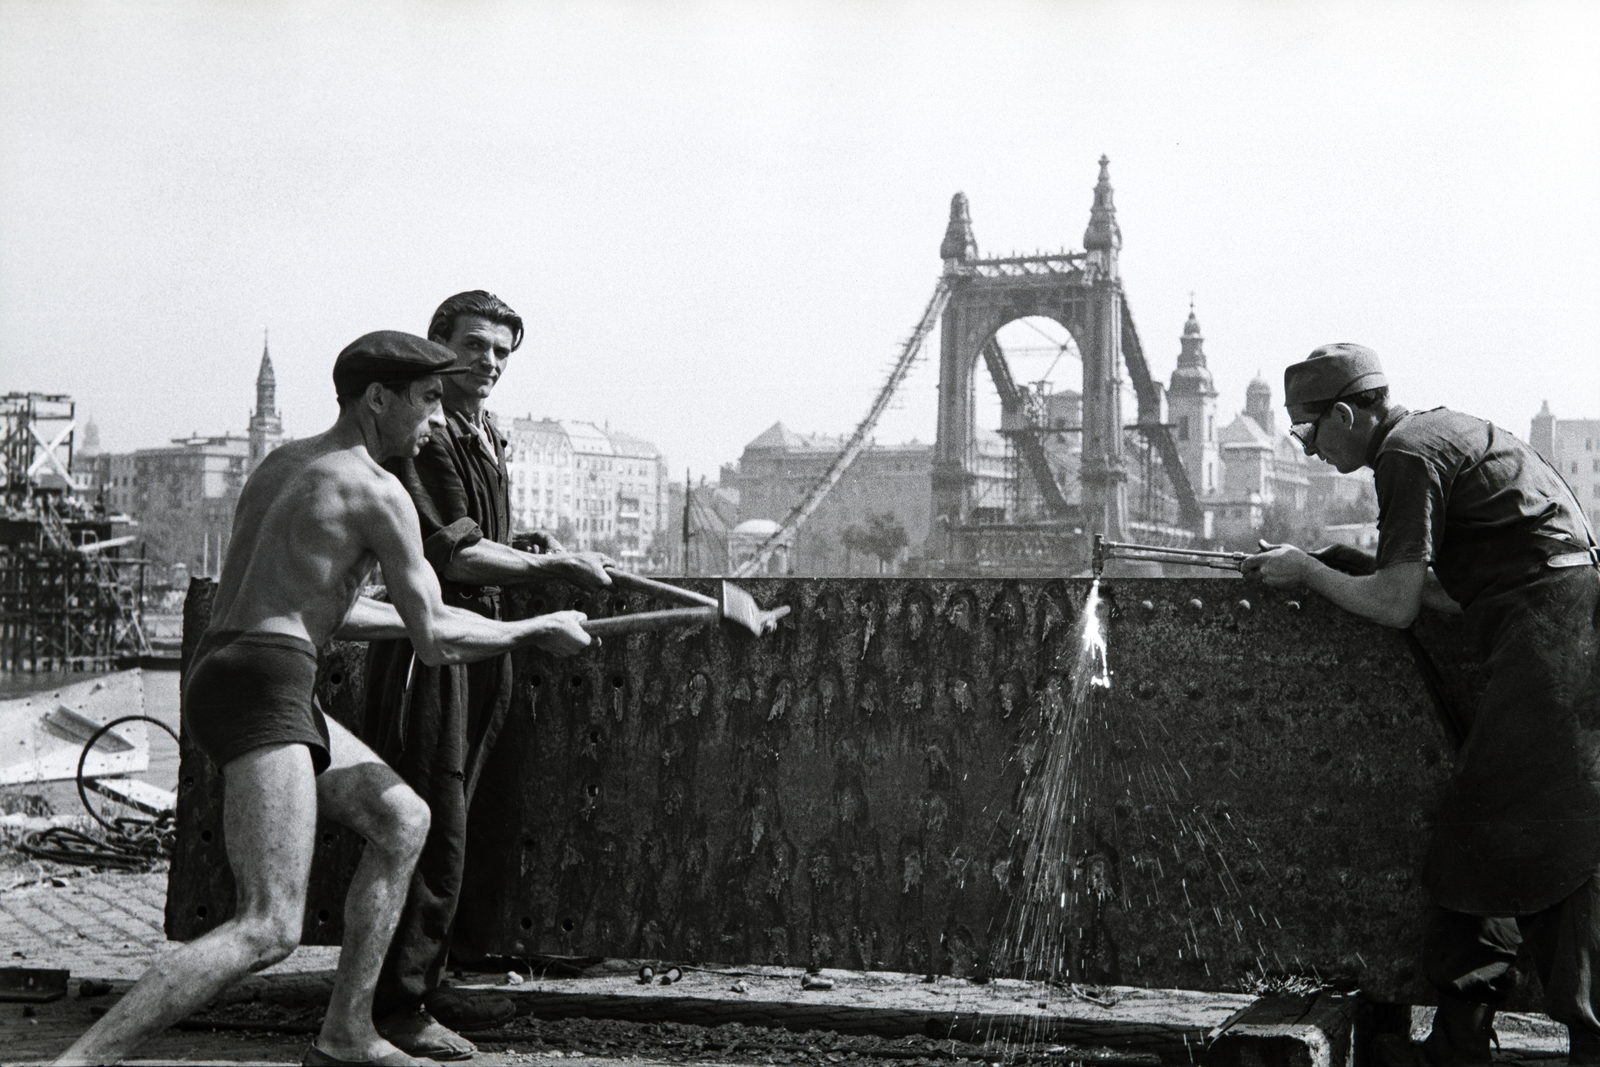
x,y
1193,557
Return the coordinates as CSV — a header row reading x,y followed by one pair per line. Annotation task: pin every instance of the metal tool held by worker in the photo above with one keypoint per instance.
x,y
1107,550
732,604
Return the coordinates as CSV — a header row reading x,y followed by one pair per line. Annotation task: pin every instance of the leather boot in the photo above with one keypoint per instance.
x,y
1462,1035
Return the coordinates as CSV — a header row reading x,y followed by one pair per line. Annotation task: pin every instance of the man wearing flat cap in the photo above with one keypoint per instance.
x,y
437,725
1470,519
310,522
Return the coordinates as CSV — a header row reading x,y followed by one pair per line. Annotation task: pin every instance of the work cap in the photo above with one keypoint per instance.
x,y
1328,374
388,356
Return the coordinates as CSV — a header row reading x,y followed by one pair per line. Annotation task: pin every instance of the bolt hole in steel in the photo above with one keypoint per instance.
x,y
188,781
595,737
593,789
616,681
327,837
576,605
538,607
205,835
535,681
323,915
201,912
336,678
577,681
527,923
568,925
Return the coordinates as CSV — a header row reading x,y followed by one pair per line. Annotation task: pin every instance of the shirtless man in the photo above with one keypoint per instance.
x,y
310,524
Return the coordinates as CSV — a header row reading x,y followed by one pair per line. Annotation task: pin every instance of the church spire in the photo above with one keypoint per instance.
x,y
959,244
1192,375
266,426
266,382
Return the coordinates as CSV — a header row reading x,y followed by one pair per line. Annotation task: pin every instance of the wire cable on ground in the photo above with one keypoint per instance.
x,y
124,843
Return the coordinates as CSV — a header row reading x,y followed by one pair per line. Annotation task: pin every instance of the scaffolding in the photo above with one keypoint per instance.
x,y
69,600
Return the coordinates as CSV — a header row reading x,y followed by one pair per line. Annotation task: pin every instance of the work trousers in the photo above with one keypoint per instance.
x,y
437,740
1470,958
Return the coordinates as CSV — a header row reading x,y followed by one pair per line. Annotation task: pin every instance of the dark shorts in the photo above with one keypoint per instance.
x,y
245,690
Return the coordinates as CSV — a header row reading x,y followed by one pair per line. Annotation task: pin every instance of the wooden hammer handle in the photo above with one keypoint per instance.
x,y
640,584
651,620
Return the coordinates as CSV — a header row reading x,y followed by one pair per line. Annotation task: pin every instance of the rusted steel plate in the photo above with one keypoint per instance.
x,y
1252,792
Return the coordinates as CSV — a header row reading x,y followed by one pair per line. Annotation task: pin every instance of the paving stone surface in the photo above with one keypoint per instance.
x,y
108,925
104,926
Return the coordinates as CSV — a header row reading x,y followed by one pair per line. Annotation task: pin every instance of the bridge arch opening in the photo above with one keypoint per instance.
x,y
1027,414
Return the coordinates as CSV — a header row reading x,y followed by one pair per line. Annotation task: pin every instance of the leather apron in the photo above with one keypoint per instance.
x,y
1519,826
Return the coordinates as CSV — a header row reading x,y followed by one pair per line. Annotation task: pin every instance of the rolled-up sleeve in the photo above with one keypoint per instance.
x,y
434,483
1410,509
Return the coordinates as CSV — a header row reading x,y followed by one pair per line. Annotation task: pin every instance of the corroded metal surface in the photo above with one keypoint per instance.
x,y
1254,788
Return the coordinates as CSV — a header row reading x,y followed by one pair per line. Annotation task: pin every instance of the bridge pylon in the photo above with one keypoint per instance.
x,y
1081,291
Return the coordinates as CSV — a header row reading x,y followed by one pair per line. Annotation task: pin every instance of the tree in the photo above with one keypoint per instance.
x,y
883,536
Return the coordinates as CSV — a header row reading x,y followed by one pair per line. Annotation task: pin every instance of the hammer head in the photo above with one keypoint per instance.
x,y
738,606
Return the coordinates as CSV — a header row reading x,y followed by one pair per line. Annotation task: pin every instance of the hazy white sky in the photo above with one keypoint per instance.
x,y
716,216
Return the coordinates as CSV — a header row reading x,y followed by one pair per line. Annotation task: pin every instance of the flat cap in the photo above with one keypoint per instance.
x,y
1328,374
387,356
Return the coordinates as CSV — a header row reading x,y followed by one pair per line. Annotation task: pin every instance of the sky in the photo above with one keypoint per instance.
x,y
717,216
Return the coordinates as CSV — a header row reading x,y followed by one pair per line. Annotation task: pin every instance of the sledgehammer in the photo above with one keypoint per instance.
x,y
732,604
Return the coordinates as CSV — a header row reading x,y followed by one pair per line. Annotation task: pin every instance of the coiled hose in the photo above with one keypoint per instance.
x,y
125,844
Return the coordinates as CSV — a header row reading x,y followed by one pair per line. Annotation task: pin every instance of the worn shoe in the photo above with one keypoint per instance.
x,y
420,1034
315,1057
468,1014
1461,1037
1584,1046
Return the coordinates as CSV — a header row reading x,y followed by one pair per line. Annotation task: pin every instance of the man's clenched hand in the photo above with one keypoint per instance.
x,y
562,633
584,569
1280,566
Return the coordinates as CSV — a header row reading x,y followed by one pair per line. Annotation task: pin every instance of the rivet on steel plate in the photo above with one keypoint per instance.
x,y
1294,605
1148,605
1196,604
1244,605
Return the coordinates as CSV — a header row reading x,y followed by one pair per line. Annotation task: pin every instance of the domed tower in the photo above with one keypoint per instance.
x,y
1192,405
1258,404
266,427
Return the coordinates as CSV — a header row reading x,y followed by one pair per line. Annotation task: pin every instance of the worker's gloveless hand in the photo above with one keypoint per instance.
x,y
1279,566
1346,558
564,634
584,569
542,541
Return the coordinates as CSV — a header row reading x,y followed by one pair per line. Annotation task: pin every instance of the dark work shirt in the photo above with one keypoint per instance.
x,y
460,486
1442,475
1518,828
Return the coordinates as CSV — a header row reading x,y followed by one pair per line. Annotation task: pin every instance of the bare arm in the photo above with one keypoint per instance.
x,y
491,563
1391,596
1434,596
371,620
441,634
